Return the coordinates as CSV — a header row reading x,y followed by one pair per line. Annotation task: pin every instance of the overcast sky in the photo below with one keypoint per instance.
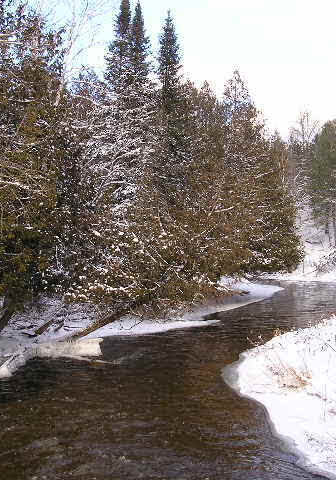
x,y
284,49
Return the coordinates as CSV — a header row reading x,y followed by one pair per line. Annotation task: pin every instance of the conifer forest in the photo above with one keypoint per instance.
x,y
135,189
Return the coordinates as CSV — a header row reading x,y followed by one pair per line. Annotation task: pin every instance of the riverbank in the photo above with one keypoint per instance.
x,y
52,323
293,376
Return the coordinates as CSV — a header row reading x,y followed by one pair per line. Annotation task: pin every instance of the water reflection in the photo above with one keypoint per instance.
x,y
163,414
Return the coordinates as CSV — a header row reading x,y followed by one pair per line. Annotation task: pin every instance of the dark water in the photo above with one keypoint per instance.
x,y
163,414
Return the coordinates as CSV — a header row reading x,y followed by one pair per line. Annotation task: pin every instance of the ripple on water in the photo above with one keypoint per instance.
x,y
163,412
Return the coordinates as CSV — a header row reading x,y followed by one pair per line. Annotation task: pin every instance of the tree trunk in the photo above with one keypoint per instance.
x,y
334,224
327,224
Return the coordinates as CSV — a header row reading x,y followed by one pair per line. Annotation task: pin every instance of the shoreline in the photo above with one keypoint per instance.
x,y
298,413
17,348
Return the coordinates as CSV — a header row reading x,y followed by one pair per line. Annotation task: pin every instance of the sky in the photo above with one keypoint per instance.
x,y
285,50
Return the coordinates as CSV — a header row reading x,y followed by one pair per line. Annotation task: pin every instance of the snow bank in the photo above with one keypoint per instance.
x,y
130,325
52,317
22,354
20,341
294,377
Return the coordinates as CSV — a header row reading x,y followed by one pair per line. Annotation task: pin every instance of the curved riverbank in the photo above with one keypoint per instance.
x,y
18,345
156,405
14,357
293,377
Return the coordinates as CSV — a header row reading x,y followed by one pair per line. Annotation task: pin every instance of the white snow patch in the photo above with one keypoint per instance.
x,y
19,343
294,377
61,320
130,325
22,354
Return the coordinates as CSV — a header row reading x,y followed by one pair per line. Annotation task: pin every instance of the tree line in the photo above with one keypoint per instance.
x,y
135,191
312,156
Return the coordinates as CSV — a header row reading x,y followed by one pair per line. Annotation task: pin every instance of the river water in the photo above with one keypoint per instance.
x,y
162,411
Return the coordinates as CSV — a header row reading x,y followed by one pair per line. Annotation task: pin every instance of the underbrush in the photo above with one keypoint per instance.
x,y
327,263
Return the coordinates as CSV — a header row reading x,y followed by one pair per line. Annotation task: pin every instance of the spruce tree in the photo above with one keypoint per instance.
x,y
29,155
117,59
169,66
123,122
173,148
322,181
140,47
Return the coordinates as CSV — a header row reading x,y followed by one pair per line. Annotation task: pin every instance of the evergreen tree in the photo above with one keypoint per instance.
x,y
30,70
173,147
118,66
140,47
273,240
236,100
260,167
169,67
323,179
121,131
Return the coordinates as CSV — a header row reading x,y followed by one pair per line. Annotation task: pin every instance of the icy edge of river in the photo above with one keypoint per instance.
x,y
129,325
70,349
16,349
293,377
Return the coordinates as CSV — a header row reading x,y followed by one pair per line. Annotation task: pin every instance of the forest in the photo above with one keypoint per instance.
x,y
137,190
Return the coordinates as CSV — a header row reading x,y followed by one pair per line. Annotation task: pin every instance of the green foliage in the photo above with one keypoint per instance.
x,y
118,71
126,194
323,168
140,47
169,67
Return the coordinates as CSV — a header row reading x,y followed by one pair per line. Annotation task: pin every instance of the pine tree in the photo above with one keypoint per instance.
x,y
118,66
322,183
140,47
29,155
173,148
169,67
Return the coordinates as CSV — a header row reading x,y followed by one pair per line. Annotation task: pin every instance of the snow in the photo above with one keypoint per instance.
x,y
308,269
23,353
317,248
130,325
294,377
60,320
19,341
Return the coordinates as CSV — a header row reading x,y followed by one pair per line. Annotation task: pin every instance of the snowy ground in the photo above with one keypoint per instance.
x,y
317,250
294,377
22,340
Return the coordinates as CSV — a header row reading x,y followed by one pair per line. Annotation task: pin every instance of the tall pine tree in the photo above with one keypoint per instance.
x,y
117,59
30,71
169,67
140,47
173,149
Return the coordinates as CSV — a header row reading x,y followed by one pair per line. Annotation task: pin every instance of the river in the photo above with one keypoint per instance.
x,y
162,411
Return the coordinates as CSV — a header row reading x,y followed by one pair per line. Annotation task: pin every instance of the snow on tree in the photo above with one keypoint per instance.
x,y
125,193
29,70
265,201
322,182
118,67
